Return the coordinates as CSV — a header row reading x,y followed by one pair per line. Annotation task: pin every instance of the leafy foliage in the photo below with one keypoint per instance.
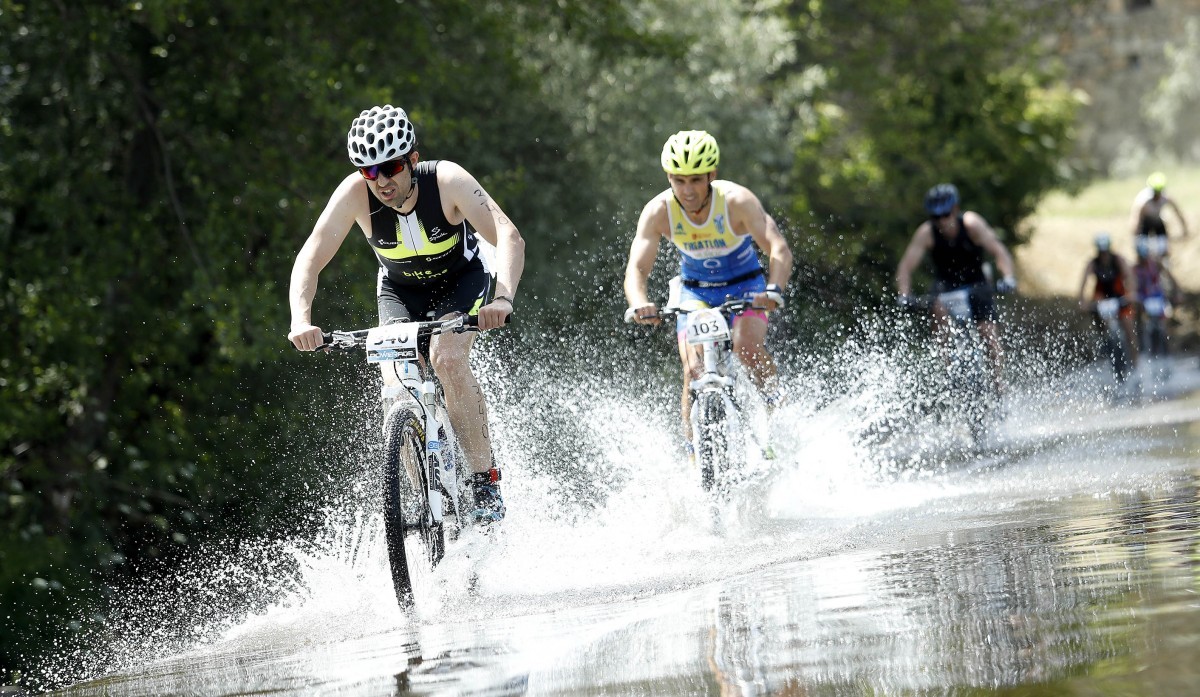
x,y
907,95
163,162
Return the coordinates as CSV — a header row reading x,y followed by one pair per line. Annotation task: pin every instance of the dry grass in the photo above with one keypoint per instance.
x,y
1051,263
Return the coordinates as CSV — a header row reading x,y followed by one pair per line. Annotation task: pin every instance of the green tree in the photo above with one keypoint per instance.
x,y
909,94
162,164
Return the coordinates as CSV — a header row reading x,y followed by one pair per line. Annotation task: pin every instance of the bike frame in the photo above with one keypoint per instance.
x,y
417,390
968,345
1117,346
710,328
967,363
720,373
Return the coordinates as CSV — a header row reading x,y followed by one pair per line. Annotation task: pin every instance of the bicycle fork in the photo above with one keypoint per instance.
x,y
422,398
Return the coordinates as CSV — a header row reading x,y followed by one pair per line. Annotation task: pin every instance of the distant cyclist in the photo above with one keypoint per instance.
x,y
956,242
423,220
715,226
1157,294
1153,279
1110,276
1147,214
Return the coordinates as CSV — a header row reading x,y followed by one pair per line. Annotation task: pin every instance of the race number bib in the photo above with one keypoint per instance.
x,y
957,303
1108,307
1155,306
394,342
704,326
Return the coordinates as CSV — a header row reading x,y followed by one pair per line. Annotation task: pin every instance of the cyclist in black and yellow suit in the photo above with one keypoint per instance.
x,y
423,220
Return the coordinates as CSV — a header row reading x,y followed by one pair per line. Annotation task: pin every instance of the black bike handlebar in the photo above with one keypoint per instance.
x,y
357,338
732,306
925,302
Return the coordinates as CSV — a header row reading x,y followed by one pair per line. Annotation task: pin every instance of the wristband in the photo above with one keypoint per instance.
x,y
503,297
775,294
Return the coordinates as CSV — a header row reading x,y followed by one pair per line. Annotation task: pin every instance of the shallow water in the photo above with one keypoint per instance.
x,y
1062,560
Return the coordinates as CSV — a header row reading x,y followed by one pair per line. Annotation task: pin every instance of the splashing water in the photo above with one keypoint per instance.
x,y
602,503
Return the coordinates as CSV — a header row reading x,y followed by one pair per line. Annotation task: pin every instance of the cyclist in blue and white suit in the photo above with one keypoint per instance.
x,y
716,226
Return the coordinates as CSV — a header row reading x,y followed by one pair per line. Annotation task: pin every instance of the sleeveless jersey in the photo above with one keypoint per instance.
x,y
711,252
957,262
422,247
1109,281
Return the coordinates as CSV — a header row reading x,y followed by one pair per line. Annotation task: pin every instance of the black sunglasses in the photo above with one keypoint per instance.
x,y
388,169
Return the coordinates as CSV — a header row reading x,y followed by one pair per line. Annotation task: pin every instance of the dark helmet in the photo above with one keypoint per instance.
x,y
941,199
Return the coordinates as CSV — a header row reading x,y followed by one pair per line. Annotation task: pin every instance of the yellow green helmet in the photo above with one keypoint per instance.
x,y
1156,181
690,152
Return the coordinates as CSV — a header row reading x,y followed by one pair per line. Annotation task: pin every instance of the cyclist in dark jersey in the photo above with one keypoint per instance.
x,y
423,220
1111,277
957,242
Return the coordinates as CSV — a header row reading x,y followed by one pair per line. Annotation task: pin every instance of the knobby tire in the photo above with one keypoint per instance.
x,y
1119,356
406,507
712,447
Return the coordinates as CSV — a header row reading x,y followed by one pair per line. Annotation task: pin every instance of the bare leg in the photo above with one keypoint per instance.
x,y
450,354
749,337
693,363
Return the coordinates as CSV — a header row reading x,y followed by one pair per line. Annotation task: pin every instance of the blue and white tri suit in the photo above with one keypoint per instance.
x,y
715,261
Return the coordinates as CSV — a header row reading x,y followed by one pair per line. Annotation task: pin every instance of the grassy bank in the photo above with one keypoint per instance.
x,y
1051,263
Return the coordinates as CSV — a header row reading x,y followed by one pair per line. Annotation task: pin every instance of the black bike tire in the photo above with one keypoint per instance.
x,y
1119,355
712,448
1158,337
406,440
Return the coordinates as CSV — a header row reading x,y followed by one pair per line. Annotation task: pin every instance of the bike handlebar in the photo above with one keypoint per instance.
x,y
732,306
926,302
357,338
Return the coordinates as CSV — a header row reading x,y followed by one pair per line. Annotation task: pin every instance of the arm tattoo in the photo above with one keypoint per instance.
x,y
491,207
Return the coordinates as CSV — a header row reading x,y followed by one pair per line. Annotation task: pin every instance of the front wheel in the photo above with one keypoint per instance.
x,y
1119,356
1155,331
711,438
412,536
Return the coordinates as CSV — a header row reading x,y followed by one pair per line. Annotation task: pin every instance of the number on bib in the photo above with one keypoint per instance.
x,y
707,325
394,342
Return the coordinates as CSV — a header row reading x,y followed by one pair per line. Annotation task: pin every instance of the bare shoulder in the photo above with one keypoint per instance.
x,y
351,194
654,218
924,234
975,221
978,228
738,195
452,175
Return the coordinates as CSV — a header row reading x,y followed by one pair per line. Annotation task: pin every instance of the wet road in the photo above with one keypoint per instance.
x,y
1062,560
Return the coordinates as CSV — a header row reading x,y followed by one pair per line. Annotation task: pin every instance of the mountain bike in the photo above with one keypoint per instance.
x,y
719,430
970,391
1156,310
1108,310
424,486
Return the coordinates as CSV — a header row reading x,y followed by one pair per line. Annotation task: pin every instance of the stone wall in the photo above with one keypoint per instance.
x,y
1115,52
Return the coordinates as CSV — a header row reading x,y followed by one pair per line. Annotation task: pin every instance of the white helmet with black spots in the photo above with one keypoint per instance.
x,y
379,134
